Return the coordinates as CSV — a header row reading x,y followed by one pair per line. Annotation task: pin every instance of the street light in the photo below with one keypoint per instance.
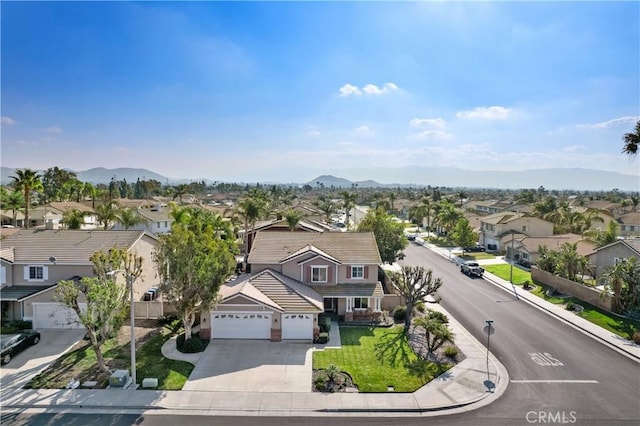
x,y
130,278
489,330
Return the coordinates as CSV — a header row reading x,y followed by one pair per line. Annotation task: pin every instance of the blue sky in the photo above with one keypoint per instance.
x,y
287,91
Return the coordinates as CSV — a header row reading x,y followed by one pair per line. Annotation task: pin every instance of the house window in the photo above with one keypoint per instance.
x,y
319,274
357,272
36,273
525,255
617,260
525,228
361,302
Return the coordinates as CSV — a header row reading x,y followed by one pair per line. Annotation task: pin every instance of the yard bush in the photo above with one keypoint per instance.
x,y
191,346
323,338
399,313
451,351
636,337
22,325
324,323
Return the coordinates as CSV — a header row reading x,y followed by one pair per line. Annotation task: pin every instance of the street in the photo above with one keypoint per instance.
x,y
591,382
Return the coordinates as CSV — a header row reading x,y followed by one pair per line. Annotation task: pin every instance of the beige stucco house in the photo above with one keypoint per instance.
x,y
609,255
498,228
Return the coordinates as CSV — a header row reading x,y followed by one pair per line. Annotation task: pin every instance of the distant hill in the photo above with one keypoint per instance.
x,y
102,175
571,179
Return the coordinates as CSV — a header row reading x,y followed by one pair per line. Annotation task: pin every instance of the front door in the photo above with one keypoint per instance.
x,y
330,304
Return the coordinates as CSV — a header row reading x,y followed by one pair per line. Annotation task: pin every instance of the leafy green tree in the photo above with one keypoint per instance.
x,y
327,206
292,217
547,259
105,297
128,217
448,216
194,260
568,261
436,330
12,200
27,181
389,234
415,283
53,181
631,141
348,202
602,237
106,213
463,235
73,218
622,283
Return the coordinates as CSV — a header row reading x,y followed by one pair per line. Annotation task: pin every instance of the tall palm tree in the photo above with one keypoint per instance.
x,y
107,213
602,237
392,198
461,196
569,261
179,191
28,181
13,200
631,141
250,209
327,206
128,217
348,202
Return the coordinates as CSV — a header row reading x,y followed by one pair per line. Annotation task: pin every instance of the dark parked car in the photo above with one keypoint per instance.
x,y
12,344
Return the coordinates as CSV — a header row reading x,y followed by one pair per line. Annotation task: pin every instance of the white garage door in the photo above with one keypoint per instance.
x,y
240,325
297,326
55,315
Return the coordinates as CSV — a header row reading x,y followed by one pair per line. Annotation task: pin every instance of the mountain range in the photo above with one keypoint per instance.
x,y
557,178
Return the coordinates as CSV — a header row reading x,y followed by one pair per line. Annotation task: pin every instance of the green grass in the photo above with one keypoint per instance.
x,y
377,358
504,271
623,327
81,364
478,255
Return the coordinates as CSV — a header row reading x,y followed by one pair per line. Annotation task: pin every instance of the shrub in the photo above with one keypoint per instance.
x,y
22,325
570,306
420,307
191,346
400,313
451,351
324,323
320,382
636,337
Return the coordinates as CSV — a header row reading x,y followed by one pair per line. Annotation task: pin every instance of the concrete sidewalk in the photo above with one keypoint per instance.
x,y
476,381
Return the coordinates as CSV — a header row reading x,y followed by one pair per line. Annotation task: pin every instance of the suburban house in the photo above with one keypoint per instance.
x,y
296,276
629,224
58,209
32,262
498,228
607,256
6,218
156,220
44,215
524,249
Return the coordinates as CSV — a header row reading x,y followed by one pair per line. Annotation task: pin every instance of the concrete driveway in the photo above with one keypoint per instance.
x,y
253,366
33,359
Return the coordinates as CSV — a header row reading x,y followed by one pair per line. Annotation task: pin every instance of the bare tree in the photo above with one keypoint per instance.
x,y
415,283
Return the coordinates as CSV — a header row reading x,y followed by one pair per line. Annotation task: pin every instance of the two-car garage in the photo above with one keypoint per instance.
x,y
257,325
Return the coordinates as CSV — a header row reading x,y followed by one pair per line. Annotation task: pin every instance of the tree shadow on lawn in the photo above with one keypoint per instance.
x,y
393,349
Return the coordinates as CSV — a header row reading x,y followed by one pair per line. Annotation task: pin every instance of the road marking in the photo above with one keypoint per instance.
x,y
554,381
545,359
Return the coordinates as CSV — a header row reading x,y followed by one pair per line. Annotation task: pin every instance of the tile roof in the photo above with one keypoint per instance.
x,y
346,247
65,206
155,215
630,218
350,290
67,246
17,293
277,291
6,253
554,242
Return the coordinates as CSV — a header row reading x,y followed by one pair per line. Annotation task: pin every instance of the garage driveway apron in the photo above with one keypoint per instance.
x,y
33,359
253,366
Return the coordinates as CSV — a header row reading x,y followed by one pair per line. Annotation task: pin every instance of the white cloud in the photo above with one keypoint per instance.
x,y
612,122
362,131
486,113
575,148
8,121
369,89
430,134
53,130
349,89
434,122
314,133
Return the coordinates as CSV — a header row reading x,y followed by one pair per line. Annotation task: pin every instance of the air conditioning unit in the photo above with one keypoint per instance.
x,y
119,378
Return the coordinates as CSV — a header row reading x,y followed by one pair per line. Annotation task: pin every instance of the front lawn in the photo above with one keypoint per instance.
x,y
503,270
477,255
81,364
379,358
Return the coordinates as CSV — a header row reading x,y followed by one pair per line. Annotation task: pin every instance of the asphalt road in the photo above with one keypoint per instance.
x,y
594,382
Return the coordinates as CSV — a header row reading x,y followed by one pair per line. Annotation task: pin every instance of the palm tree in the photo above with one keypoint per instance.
x,y
602,237
128,217
13,201
348,202
392,198
179,191
73,218
448,216
569,261
614,279
293,217
461,196
250,209
436,330
327,206
631,141
107,213
27,180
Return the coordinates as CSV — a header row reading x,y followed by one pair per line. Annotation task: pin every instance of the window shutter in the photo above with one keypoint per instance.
x,y
366,272
45,273
348,272
26,273
3,275
307,274
330,274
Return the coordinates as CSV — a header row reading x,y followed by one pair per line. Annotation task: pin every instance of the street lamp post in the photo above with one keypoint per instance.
x,y
489,330
129,280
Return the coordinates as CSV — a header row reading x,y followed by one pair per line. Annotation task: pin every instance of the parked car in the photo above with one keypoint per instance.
x,y
472,269
474,249
12,344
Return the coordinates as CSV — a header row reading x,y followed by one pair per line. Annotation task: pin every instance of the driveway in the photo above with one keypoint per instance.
x,y
253,366
33,359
